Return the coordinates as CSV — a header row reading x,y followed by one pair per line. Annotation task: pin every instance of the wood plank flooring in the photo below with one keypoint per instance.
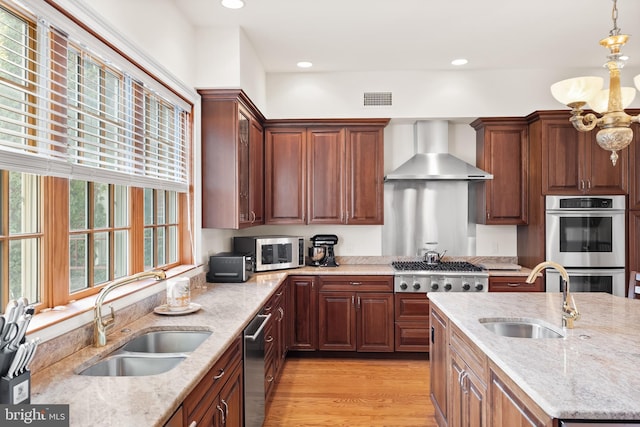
x,y
352,391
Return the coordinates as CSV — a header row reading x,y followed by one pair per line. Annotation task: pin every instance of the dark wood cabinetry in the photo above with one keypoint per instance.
x,y
324,171
572,162
514,284
353,315
275,337
303,318
438,360
232,162
411,322
217,400
502,150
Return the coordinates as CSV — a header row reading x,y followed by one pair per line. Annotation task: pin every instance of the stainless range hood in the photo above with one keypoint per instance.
x,y
432,160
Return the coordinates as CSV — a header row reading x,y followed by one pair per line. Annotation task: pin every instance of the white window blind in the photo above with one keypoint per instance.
x,y
68,109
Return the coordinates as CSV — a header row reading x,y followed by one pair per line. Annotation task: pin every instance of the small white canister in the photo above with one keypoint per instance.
x,y
178,294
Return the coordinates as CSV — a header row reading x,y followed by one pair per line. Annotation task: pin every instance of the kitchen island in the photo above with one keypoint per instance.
x,y
589,374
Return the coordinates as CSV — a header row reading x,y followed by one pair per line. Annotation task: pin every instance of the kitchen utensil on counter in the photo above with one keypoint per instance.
x,y
321,252
23,323
432,256
10,331
9,311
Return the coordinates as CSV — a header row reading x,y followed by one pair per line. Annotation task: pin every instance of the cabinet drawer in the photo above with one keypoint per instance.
x,y
356,283
412,336
198,401
514,284
411,307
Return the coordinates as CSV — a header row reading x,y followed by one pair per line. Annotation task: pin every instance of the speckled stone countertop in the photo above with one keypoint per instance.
x,y
150,400
588,374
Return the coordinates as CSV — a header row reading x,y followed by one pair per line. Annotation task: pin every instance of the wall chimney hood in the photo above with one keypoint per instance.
x,y
432,160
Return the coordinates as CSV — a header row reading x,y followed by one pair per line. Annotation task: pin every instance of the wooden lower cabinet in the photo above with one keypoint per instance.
x,y
468,389
353,316
411,322
275,338
514,284
217,400
438,360
509,406
303,320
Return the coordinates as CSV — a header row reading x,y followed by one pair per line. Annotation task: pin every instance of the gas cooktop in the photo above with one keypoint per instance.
x,y
447,276
446,266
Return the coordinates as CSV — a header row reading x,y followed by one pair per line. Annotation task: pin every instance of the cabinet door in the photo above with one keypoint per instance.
x,y
303,323
229,406
438,355
562,166
336,321
375,322
256,173
364,176
468,395
514,284
456,397
243,167
601,176
502,149
285,171
325,177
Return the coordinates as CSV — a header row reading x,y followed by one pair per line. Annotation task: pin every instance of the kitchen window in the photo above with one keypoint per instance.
x,y
86,137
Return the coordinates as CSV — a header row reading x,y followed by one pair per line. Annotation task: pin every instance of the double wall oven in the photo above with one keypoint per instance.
x,y
586,235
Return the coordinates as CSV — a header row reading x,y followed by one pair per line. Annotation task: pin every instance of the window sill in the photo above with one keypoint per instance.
x,y
62,319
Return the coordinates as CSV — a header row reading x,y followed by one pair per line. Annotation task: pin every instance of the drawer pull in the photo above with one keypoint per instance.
x,y
193,424
514,285
356,283
269,339
270,379
220,375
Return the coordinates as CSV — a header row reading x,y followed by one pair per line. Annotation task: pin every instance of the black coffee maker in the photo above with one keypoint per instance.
x,y
321,252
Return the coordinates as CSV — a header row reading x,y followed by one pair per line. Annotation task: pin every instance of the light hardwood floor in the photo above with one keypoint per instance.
x,y
352,391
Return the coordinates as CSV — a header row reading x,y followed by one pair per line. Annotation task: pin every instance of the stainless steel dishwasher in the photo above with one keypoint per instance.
x,y
254,397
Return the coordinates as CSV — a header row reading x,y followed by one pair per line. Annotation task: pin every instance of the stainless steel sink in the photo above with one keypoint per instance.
x,y
151,353
123,365
520,328
167,342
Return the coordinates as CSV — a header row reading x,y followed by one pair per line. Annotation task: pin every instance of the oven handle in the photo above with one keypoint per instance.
x,y
585,213
592,271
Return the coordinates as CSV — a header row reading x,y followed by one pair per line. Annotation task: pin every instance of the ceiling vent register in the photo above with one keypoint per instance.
x,y
377,99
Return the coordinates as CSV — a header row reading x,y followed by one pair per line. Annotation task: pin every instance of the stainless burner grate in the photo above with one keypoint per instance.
x,y
441,266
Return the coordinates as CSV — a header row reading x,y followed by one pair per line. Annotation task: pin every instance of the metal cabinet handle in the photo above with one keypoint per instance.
x,y
358,306
353,300
268,339
224,419
588,184
193,424
270,378
252,216
514,285
226,409
220,375
355,283
281,313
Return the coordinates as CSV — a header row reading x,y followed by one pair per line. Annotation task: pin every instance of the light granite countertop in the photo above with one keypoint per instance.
x,y
150,400
588,374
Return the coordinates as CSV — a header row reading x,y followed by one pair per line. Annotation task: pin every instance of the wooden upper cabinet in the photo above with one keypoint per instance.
x,y
324,171
573,163
326,177
232,171
285,170
364,176
502,150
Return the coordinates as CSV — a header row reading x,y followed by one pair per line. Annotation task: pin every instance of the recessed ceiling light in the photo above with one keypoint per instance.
x,y
233,4
304,64
459,61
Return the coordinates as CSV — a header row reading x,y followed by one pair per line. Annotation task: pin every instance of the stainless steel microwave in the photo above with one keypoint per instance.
x,y
271,252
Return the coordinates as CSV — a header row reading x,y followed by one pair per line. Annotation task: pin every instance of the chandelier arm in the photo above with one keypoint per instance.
x,y
584,123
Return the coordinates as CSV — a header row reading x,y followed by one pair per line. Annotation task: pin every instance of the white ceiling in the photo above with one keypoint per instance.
x,y
366,35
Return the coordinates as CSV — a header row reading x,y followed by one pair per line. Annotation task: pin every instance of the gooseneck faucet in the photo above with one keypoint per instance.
x,y
100,326
569,309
